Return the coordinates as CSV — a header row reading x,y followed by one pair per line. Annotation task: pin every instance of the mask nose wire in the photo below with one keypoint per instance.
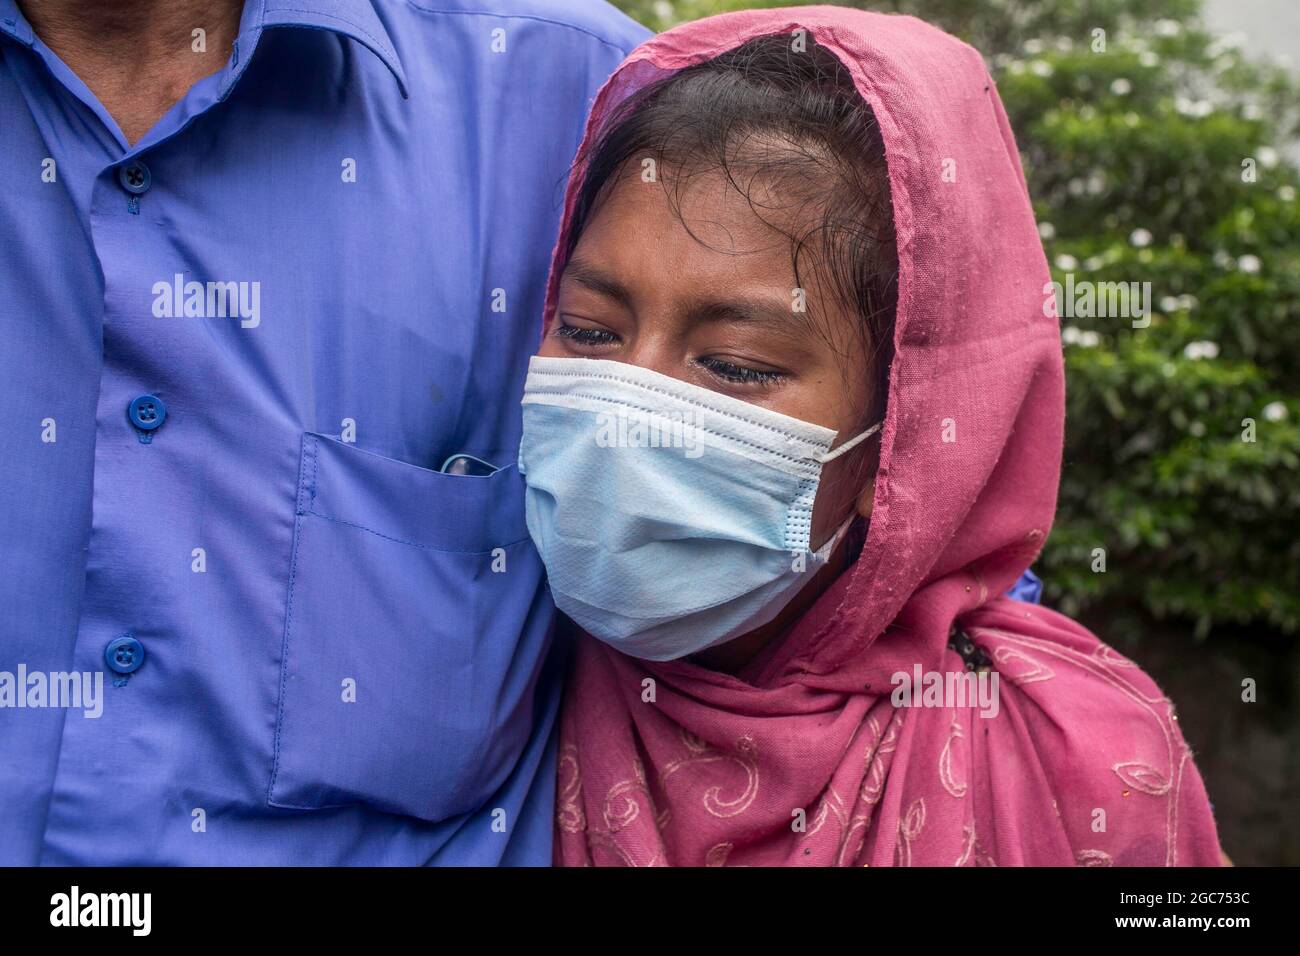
x,y
851,443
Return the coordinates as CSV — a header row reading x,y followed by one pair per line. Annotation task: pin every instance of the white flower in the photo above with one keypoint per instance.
x,y
1223,44
1093,263
1222,259
1251,111
1168,304
1168,28
1195,351
1194,108
1140,238
1046,230
1084,338
1286,193
1040,68
1066,262
1033,47
1274,412
1268,156
1248,263
1121,87
1197,429
1149,59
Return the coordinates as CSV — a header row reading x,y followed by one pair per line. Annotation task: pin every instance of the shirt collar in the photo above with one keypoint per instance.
x,y
351,18
14,24
355,19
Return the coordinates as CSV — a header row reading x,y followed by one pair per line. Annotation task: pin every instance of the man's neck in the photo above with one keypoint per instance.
x,y
139,57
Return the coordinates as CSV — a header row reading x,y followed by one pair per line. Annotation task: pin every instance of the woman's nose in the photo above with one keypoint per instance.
x,y
658,350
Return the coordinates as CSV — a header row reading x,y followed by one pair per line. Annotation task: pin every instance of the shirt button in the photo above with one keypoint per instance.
x,y
134,177
124,654
146,412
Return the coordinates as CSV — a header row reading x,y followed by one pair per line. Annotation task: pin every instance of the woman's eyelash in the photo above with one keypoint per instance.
x,y
739,374
727,371
585,336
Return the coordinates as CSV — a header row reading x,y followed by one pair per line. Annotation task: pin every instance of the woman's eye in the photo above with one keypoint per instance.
x,y
738,374
584,336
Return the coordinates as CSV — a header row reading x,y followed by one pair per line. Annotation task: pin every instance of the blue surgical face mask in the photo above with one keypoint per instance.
x,y
670,518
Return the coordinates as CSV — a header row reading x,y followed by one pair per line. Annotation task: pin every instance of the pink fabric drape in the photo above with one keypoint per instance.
x,y
1084,763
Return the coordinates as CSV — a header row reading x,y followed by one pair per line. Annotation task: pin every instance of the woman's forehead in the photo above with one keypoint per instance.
x,y
713,214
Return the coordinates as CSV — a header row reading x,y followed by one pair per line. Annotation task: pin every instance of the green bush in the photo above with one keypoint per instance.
x,y
1155,153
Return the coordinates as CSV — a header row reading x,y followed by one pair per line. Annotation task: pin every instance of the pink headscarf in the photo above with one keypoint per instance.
x,y
1084,763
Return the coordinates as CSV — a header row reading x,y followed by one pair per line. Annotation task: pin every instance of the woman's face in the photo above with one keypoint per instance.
x,y
708,296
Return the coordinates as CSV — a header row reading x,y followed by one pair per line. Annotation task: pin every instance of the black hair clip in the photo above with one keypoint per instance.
x,y
971,653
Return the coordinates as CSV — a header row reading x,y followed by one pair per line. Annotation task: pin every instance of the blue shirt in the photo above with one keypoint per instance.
x,y
1029,588
233,358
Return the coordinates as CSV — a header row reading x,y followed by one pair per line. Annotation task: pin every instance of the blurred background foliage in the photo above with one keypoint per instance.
x,y
1164,154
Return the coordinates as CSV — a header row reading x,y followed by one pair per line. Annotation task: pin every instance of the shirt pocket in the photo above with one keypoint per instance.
x,y
416,623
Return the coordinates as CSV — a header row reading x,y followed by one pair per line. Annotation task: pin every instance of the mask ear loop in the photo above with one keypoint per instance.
x,y
851,443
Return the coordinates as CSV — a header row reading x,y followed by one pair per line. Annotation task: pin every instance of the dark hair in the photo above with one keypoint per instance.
x,y
766,111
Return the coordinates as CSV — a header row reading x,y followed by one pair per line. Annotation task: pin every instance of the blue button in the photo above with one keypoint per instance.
x,y
134,177
124,654
146,412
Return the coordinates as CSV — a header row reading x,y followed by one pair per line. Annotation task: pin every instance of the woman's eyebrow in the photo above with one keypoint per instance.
x,y
585,274
759,311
